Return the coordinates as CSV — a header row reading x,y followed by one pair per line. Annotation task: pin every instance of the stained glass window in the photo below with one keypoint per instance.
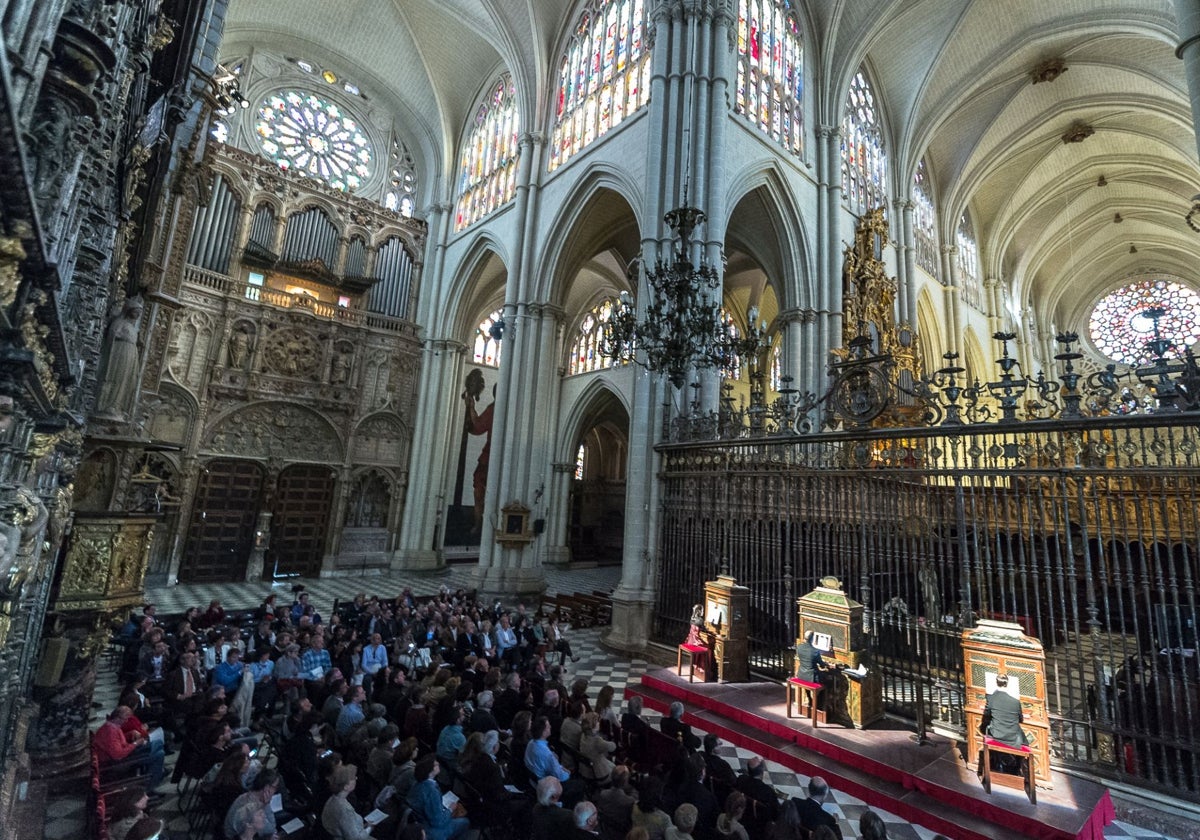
x,y
777,366
968,263
1120,325
586,354
603,77
402,180
770,72
312,136
488,164
580,459
925,222
864,163
487,348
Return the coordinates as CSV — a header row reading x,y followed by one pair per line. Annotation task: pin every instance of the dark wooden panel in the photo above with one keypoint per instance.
x,y
300,520
221,532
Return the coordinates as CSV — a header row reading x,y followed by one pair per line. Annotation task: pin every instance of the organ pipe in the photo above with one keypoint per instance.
x,y
214,229
356,258
393,267
263,226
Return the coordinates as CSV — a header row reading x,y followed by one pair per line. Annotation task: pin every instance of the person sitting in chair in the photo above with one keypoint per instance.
x,y
810,667
1002,722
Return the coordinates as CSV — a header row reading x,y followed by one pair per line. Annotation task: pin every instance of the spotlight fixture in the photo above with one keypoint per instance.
x,y
1103,182
1117,219
1133,249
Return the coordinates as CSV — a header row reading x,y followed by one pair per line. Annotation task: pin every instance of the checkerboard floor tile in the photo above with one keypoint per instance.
x,y
65,817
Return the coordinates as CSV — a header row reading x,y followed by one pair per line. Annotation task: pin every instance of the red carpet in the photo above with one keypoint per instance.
x,y
929,785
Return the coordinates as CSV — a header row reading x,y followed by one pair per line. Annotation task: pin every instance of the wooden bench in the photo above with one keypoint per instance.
x,y
798,691
601,608
1017,781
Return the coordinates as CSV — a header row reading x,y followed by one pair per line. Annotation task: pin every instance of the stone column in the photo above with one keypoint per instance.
x,y
420,536
1187,14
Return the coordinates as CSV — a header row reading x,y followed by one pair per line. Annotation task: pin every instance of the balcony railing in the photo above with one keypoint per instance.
x,y
232,287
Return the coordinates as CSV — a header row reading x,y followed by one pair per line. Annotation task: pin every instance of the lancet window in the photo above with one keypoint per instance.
x,y
488,164
864,162
487,346
968,263
603,77
586,354
925,221
770,70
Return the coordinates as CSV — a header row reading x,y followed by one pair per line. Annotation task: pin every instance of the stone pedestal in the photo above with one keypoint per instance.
x,y
557,556
508,583
631,623
417,560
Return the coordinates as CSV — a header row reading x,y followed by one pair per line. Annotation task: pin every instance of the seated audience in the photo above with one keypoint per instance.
x,y
812,815
425,798
338,816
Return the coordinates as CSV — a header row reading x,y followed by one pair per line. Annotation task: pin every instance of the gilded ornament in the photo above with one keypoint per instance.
x,y
12,252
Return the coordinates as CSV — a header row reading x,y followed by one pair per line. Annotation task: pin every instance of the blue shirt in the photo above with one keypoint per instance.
x,y
262,670
229,676
373,658
450,743
350,715
425,798
541,762
313,661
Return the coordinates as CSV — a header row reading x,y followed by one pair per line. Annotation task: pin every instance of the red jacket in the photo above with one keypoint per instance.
x,y
110,743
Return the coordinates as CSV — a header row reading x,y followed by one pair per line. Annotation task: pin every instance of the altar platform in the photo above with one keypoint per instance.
x,y
884,766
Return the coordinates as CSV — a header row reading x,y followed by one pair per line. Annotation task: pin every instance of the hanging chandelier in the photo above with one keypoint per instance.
x,y
682,327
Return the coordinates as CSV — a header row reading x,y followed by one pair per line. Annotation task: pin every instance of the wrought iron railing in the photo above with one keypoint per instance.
x,y
1087,532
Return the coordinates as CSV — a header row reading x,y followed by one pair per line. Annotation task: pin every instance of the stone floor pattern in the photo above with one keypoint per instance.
x,y
65,816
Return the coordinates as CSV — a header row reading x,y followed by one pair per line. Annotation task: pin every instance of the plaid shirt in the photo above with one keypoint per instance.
x,y
313,661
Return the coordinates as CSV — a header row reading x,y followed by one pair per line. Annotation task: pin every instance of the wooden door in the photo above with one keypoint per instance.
x,y
221,531
300,521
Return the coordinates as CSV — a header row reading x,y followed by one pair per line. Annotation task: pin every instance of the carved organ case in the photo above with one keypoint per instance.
x,y
856,700
726,613
1000,647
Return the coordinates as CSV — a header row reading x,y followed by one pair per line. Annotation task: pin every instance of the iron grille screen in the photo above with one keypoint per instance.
x,y
1084,532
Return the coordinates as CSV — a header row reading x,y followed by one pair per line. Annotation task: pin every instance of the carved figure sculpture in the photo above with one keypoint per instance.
x,y
118,384
239,349
340,373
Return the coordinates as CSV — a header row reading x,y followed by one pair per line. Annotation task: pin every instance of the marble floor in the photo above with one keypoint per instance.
x,y
65,816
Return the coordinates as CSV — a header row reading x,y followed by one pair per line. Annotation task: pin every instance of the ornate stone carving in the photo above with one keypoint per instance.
x,y
169,417
290,351
381,438
12,252
241,345
1078,132
275,430
119,380
187,354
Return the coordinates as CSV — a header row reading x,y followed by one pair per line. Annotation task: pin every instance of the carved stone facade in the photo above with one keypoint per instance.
x,y
277,364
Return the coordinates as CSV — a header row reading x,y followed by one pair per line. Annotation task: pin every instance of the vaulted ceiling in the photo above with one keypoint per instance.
x,y
954,80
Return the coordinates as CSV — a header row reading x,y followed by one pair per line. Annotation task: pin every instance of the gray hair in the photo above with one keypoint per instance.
x,y
817,788
685,817
635,704
491,740
676,710
548,789
244,813
485,699
584,812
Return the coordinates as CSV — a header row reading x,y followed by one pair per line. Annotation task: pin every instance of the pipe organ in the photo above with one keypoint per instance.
x,y
393,268
356,257
215,227
310,235
262,228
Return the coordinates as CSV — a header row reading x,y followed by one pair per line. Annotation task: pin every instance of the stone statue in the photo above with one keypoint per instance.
x,y
239,349
931,593
118,384
340,373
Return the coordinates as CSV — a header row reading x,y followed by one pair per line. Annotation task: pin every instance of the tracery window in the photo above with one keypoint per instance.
x,y
864,162
968,263
488,165
402,180
770,73
1120,326
776,377
925,221
586,355
312,136
487,346
603,78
